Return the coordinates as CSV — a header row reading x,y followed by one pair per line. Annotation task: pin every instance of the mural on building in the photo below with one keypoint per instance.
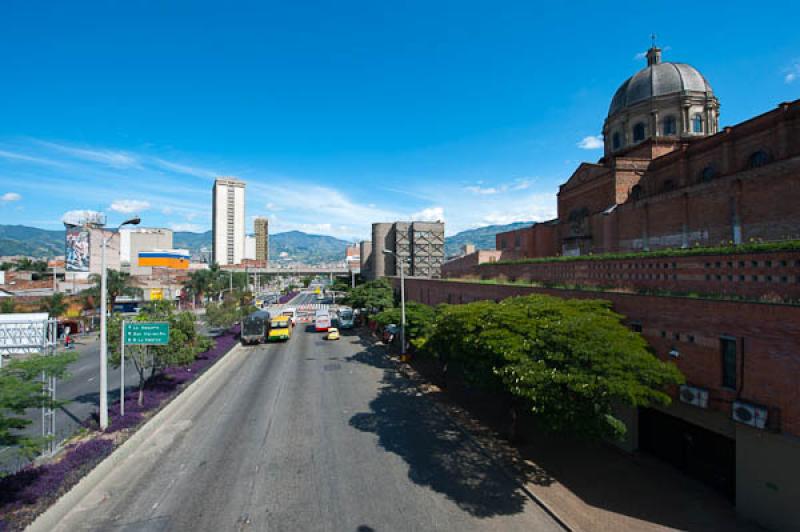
x,y
77,250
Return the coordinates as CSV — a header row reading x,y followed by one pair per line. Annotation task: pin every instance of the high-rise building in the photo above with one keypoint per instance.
x,y
262,239
420,245
228,231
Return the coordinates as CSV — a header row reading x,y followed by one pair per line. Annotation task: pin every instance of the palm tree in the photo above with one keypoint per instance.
x,y
55,305
117,284
200,283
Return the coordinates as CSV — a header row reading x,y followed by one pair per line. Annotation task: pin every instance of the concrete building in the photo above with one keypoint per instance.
x,y
352,257
135,240
249,247
228,221
261,226
365,259
419,244
703,199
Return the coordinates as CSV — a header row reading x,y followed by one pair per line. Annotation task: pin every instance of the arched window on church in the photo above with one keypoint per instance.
x,y
638,132
616,141
697,123
759,158
707,174
636,193
669,126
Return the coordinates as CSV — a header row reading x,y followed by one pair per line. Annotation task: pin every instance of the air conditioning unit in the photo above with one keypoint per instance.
x,y
694,396
749,414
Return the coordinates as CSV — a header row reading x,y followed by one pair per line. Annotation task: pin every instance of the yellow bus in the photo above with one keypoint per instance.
x,y
280,329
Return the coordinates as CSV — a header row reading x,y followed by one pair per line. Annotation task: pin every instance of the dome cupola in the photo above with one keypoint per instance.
x,y
663,99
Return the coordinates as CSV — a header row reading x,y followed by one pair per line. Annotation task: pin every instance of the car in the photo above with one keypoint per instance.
x,y
333,333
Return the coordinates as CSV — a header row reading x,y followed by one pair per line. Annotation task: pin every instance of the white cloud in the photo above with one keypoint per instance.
x,y
431,214
592,142
187,227
113,158
640,56
10,196
488,191
792,72
184,169
128,206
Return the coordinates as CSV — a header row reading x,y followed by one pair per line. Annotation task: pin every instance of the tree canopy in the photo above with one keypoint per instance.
x,y
419,321
569,361
377,294
21,388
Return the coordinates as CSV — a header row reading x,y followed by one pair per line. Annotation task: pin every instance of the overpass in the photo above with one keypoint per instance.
x,y
299,270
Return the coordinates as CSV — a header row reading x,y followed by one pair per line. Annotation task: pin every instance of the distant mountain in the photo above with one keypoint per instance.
x,y
301,247
482,237
31,241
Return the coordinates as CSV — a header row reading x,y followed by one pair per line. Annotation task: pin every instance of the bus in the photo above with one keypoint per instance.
x,y
345,318
254,327
280,328
322,320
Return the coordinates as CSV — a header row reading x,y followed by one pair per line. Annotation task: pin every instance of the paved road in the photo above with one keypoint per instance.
x,y
307,435
81,389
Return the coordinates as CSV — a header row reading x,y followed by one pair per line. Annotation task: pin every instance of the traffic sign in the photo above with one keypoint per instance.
x,y
147,333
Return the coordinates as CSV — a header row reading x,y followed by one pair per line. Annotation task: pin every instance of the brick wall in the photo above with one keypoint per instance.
x,y
767,336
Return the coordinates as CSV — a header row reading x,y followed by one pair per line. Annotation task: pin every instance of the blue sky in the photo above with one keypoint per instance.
x,y
339,114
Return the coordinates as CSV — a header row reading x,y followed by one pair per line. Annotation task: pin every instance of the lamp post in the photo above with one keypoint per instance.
x,y
402,302
104,326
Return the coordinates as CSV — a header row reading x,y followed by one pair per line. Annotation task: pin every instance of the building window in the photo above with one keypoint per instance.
x,y
636,193
697,123
759,158
728,351
669,126
638,132
517,241
502,243
616,140
708,173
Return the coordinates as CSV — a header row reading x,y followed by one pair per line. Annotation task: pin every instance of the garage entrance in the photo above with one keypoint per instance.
x,y
698,452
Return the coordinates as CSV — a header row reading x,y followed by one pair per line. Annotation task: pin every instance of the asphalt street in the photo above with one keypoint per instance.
x,y
82,391
307,435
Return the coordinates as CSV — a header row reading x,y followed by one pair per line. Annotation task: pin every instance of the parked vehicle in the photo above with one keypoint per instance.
x,y
254,327
333,334
292,313
280,329
322,320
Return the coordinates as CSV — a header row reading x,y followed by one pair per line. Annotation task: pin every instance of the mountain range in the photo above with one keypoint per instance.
x,y
299,246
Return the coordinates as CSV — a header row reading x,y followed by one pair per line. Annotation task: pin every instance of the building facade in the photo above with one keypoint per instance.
x,y
721,297
420,245
261,226
365,259
228,221
135,240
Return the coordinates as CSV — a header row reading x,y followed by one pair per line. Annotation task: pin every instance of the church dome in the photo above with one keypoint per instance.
x,y
663,100
659,79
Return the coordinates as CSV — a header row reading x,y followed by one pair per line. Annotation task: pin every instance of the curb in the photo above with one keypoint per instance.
x,y
48,520
416,379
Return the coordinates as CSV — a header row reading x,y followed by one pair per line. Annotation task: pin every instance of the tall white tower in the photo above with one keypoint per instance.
x,y
227,226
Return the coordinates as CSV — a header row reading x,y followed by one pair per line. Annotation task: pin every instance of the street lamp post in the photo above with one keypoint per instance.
x,y
402,302
104,326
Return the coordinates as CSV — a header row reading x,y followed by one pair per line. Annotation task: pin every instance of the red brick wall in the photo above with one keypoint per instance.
x,y
773,276
767,335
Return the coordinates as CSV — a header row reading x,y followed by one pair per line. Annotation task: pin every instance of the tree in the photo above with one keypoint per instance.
x,y
201,283
117,284
377,294
419,321
184,342
7,305
55,305
21,388
568,361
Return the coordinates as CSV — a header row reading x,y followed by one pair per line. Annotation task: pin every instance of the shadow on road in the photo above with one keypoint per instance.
x,y
438,453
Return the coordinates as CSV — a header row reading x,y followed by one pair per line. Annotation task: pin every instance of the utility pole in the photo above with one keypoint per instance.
x,y
400,261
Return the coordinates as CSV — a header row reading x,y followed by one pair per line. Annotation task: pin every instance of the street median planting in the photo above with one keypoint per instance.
x,y
29,492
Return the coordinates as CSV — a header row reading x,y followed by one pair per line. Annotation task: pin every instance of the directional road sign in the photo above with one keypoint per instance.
x,y
147,333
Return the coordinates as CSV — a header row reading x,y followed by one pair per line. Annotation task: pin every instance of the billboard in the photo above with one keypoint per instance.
x,y
77,250
165,258
156,294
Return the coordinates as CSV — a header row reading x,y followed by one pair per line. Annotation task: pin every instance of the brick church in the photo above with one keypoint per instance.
x,y
692,232
670,178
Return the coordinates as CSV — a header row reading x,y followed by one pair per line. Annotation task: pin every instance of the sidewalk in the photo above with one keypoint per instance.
x,y
593,486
